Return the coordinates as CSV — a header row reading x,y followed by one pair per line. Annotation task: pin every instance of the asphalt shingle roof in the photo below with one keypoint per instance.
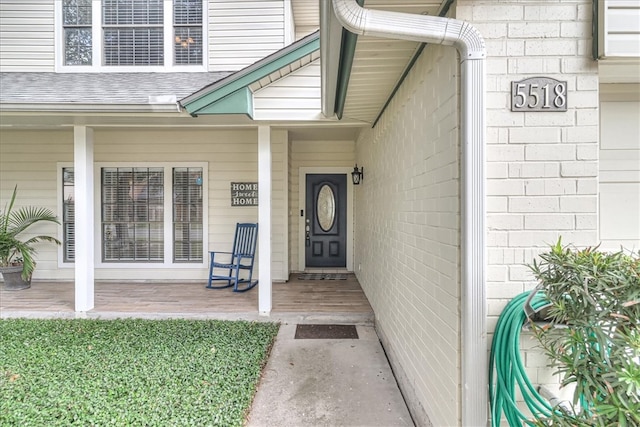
x,y
100,88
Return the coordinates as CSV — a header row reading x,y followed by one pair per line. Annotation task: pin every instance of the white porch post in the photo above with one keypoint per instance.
x,y
84,261
264,219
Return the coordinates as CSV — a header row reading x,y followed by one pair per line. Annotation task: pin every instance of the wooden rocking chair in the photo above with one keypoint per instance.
x,y
240,259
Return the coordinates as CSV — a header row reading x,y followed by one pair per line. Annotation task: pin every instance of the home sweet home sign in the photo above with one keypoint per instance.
x,y
244,194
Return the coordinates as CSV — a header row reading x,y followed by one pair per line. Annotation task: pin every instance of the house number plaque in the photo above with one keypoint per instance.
x,y
539,94
244,194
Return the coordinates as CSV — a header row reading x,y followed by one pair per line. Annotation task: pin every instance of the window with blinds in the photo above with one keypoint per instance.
x,y
68,216
133,214
133,32
187,214
133,220
76,23
187,26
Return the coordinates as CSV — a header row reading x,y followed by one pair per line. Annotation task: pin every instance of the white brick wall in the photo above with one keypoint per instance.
x,y
542,183
550,189
551,158
408,234
542,171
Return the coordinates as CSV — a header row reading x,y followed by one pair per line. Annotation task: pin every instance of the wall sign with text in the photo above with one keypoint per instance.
x,y
244,194
539,94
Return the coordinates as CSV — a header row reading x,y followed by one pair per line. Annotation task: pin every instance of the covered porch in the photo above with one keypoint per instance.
x,y
296,301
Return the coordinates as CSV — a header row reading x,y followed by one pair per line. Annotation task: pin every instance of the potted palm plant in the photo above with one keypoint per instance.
x,y
16,255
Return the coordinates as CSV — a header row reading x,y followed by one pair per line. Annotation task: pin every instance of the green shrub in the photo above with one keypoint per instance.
x,y
130,372
596,295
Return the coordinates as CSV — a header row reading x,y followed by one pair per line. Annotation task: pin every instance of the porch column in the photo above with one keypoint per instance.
x,y
264,219
84,223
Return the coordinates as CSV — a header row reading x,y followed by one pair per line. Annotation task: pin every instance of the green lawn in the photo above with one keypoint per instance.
x,y
130,372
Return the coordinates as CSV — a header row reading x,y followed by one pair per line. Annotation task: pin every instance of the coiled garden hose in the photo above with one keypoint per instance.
x,y
506,370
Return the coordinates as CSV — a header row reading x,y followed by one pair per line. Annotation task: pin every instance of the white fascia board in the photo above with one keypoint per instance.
x,y
93,108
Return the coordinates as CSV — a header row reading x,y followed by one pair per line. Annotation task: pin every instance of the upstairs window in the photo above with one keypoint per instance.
x,y
187,26
133,32
142,34
76,21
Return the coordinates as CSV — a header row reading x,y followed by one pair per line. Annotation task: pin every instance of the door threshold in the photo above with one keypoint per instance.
x,y
326,270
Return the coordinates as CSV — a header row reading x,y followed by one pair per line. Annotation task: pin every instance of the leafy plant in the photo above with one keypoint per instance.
x,y
596,297
13,250
130,372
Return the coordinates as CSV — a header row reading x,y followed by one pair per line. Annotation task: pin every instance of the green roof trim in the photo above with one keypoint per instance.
x,y
344,70
238,102
236,86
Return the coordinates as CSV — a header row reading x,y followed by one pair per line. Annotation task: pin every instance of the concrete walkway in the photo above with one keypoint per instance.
x,y
328,382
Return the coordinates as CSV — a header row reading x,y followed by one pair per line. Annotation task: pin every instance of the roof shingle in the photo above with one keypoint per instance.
x,y
100,88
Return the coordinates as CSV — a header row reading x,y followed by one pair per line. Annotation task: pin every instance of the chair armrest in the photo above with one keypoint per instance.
x,y
227,255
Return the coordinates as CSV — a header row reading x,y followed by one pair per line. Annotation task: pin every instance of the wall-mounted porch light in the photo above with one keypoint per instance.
x,y
357,175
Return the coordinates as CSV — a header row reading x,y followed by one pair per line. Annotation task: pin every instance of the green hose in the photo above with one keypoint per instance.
x,y
506,370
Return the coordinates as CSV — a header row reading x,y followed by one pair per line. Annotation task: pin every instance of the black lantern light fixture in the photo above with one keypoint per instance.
x,y
357,175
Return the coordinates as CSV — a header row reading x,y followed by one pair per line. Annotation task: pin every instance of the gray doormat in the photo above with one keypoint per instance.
x,y
304,332
322,276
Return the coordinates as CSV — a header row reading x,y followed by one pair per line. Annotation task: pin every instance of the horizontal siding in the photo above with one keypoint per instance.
x,y
243,32
293,97
27,35
621,28
30,158
240,33
619,175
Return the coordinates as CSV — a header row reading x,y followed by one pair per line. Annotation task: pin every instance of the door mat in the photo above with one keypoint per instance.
x,y
305,332
322,276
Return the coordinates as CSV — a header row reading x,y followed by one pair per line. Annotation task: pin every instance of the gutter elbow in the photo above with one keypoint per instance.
x,y
351,16
470,43
421,28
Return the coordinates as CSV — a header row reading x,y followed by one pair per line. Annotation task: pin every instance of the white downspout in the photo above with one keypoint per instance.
x,y
470,45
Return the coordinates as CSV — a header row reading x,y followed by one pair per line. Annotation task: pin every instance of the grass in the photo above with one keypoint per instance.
x,y
130,372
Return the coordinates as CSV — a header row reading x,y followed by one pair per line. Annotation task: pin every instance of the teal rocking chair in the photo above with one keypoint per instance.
x,y
237,262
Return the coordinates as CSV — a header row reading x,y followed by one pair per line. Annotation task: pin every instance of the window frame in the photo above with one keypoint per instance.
x,y
139,210
61,214
168,262
98,65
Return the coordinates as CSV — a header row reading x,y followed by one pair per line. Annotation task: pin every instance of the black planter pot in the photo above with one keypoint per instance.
x,y
13,280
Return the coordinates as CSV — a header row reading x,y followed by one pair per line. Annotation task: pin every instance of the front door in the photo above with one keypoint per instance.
x,y
326,220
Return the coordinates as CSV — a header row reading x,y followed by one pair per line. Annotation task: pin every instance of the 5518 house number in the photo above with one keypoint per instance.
x,y
539,94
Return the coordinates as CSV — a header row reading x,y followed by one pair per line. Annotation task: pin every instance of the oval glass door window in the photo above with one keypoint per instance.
x,y
326,208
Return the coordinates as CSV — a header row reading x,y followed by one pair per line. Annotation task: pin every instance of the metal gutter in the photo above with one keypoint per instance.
x,y
330,50
94,108
470,45
347,52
